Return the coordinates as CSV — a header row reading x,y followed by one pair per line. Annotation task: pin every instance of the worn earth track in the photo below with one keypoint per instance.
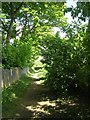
x,y
37,101
40,102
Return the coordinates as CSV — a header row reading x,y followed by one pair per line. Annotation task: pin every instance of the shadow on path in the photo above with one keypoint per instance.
x,y
40,102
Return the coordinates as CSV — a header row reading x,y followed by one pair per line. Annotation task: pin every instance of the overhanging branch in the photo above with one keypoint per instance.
x,y
17,9
4,26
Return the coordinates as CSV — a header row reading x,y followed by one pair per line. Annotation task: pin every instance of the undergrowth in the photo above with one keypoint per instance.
x,y
12,94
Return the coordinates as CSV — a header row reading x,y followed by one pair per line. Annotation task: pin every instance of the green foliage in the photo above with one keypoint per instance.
x,y
65,61
30,15
82,12
12,94
17,55
34,18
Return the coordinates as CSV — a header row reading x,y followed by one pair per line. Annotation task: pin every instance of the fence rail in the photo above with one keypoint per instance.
x,y
10,76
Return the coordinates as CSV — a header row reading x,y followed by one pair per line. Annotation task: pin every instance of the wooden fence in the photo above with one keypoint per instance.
x,y
9,76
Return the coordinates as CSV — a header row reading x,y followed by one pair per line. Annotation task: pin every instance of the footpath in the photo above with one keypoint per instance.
x,y
40,102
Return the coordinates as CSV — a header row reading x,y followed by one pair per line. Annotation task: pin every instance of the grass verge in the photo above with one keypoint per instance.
x,y
11,96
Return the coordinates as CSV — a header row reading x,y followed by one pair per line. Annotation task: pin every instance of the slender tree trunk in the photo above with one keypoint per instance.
x,y
13,15
9,32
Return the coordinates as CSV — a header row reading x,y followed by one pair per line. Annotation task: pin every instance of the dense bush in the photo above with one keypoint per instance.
x,y
17,54
14,93
66,62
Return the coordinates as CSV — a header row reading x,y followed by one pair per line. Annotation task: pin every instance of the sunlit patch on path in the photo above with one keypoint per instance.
x,y
34,76
39,82
40,102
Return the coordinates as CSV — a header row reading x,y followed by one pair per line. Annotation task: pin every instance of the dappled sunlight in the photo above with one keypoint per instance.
x,y
72,104
53,108
45,60
67,101
34,76
39,82
48,103
37,109
28,74
41,102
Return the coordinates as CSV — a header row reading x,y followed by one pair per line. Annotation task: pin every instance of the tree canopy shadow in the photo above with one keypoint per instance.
x,y
40,102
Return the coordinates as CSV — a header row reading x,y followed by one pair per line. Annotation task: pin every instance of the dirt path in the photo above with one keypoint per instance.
x,y
36,101
40,102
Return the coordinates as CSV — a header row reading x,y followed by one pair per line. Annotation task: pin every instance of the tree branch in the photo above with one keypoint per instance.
x,y
33,27
4,26
18,8
13,14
